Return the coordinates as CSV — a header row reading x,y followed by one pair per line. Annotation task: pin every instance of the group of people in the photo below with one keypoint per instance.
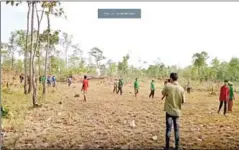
x,y
118,87
226,97
174,96
51,81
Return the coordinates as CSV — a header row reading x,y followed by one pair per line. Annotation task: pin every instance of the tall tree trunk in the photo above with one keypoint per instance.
x,y
34,98
39,65
47,49
31,51
26,49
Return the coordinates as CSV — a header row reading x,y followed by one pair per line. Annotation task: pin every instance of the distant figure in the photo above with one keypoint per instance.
x,y
231,97
189,88
115,86
224,97
43,79
165,83
85,86
174,99
49,80
69,80
53,81
152,89
40,77
21,78
136,87
120,86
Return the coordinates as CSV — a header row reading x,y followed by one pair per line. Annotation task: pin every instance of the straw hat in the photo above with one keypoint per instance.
x,y
230,83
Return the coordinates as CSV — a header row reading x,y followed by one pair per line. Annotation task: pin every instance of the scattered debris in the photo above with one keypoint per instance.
x,y
154,138
77,95
132,123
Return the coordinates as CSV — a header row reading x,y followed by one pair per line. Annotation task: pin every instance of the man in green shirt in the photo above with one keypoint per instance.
x,y
231,97
120,86
174,99
136,87
43,79
152,89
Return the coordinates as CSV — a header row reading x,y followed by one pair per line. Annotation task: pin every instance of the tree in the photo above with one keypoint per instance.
x,y
123,66
66,42
51,9
233,67
12,47
199,60
31,78
98,55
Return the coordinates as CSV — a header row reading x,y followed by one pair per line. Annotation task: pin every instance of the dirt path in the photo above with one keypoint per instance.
x,y
104,121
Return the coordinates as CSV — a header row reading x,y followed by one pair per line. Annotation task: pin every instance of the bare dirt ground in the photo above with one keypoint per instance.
x,y
65,121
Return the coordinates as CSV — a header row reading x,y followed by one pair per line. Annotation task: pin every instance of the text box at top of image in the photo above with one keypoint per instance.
x,y
119,13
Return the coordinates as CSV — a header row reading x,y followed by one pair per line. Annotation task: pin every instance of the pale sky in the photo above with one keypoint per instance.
x,y
172,31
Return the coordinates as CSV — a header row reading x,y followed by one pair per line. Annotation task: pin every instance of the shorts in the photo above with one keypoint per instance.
x,y
84,92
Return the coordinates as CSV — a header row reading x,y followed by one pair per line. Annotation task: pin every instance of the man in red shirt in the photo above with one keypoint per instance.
x,y
85,86
224,96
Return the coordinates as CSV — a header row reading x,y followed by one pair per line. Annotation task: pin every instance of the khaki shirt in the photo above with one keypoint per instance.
x,y
174,98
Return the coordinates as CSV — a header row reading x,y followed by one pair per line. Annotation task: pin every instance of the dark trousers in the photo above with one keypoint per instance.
x,y
120,90
188,90
151,94
115,90
225,106
172,120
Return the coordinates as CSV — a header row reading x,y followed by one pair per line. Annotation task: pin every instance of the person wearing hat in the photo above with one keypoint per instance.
x,y
231,97
224,97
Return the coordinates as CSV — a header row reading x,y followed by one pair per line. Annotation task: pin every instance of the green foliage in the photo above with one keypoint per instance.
x,y
4,112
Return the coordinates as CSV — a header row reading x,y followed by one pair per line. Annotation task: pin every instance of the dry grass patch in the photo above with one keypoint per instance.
x,y
105,120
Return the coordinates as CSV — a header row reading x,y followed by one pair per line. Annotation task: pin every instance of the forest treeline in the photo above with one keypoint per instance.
x,y
41,50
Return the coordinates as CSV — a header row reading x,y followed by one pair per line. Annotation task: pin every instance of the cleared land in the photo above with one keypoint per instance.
x,y
65,121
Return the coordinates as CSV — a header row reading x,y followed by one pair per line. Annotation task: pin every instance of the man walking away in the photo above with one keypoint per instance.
x,y
49,80
53,81
115,86
136,87
189,88
152,89
174,99
224,97
85,86
69,80
120,86
21,78
231,97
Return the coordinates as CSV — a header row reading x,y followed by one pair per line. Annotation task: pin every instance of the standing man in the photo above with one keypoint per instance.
x,y
224,97
21,78
174,99
49,81
69,80
43,79
85,86
136,87
120,86
53,81
231,97
152,89
115,86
